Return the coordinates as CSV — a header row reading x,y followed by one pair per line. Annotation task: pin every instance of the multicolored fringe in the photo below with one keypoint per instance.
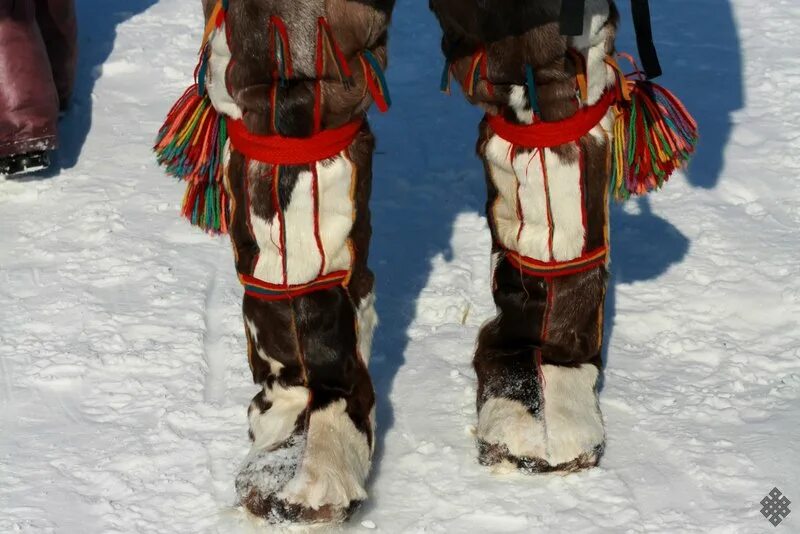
x,y
190,146
376,81
654,135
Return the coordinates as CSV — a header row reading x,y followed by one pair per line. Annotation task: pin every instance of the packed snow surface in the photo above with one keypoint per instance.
x,y
123,376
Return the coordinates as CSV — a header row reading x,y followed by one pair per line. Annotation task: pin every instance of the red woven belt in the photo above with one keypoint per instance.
x,y
280,150
551,134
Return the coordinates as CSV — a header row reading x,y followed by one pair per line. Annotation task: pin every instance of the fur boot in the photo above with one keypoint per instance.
x,y
538,361
300,234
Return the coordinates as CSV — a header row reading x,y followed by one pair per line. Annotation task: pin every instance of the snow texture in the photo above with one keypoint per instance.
x,y
124,383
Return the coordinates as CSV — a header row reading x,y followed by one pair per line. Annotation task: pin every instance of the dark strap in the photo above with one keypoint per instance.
x,y
644,38
571,24
571,20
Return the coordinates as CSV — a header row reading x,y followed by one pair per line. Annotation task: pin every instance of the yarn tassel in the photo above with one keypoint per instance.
x,y
190,147
376,81
654,135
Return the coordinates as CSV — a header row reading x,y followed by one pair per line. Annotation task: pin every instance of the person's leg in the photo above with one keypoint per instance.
x,y
301,240
59,28
538,361
28,99
312,421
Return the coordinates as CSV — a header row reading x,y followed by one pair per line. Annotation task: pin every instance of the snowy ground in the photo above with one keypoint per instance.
x,y
123,377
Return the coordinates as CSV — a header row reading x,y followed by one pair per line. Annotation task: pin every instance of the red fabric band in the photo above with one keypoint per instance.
x,y
552,269
280,150
551,134
273,292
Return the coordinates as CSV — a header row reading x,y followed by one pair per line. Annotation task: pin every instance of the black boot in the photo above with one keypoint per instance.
x,y
24,163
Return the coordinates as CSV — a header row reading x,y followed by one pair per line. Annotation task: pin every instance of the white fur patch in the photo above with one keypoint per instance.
x,y
519,101
303,258
566,206
216,87
572,423
535,236
269,267
504,209
571,412
336,212
367,320
563,192
335,464
274,426
335,219
508,422
302,254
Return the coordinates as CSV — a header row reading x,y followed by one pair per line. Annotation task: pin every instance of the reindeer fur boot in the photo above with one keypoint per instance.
x,y
553,142
276,151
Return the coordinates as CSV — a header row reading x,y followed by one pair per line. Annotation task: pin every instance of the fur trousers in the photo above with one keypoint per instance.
x,y
303,230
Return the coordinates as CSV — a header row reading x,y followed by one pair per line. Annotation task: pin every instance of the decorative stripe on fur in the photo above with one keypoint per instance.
x,y
550,269
272,292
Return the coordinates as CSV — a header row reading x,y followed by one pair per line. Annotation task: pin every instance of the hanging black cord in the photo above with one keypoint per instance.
x,y
571,24
644,38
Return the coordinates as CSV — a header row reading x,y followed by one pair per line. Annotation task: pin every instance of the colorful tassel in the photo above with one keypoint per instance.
x,y
654,135
376,81
190,146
